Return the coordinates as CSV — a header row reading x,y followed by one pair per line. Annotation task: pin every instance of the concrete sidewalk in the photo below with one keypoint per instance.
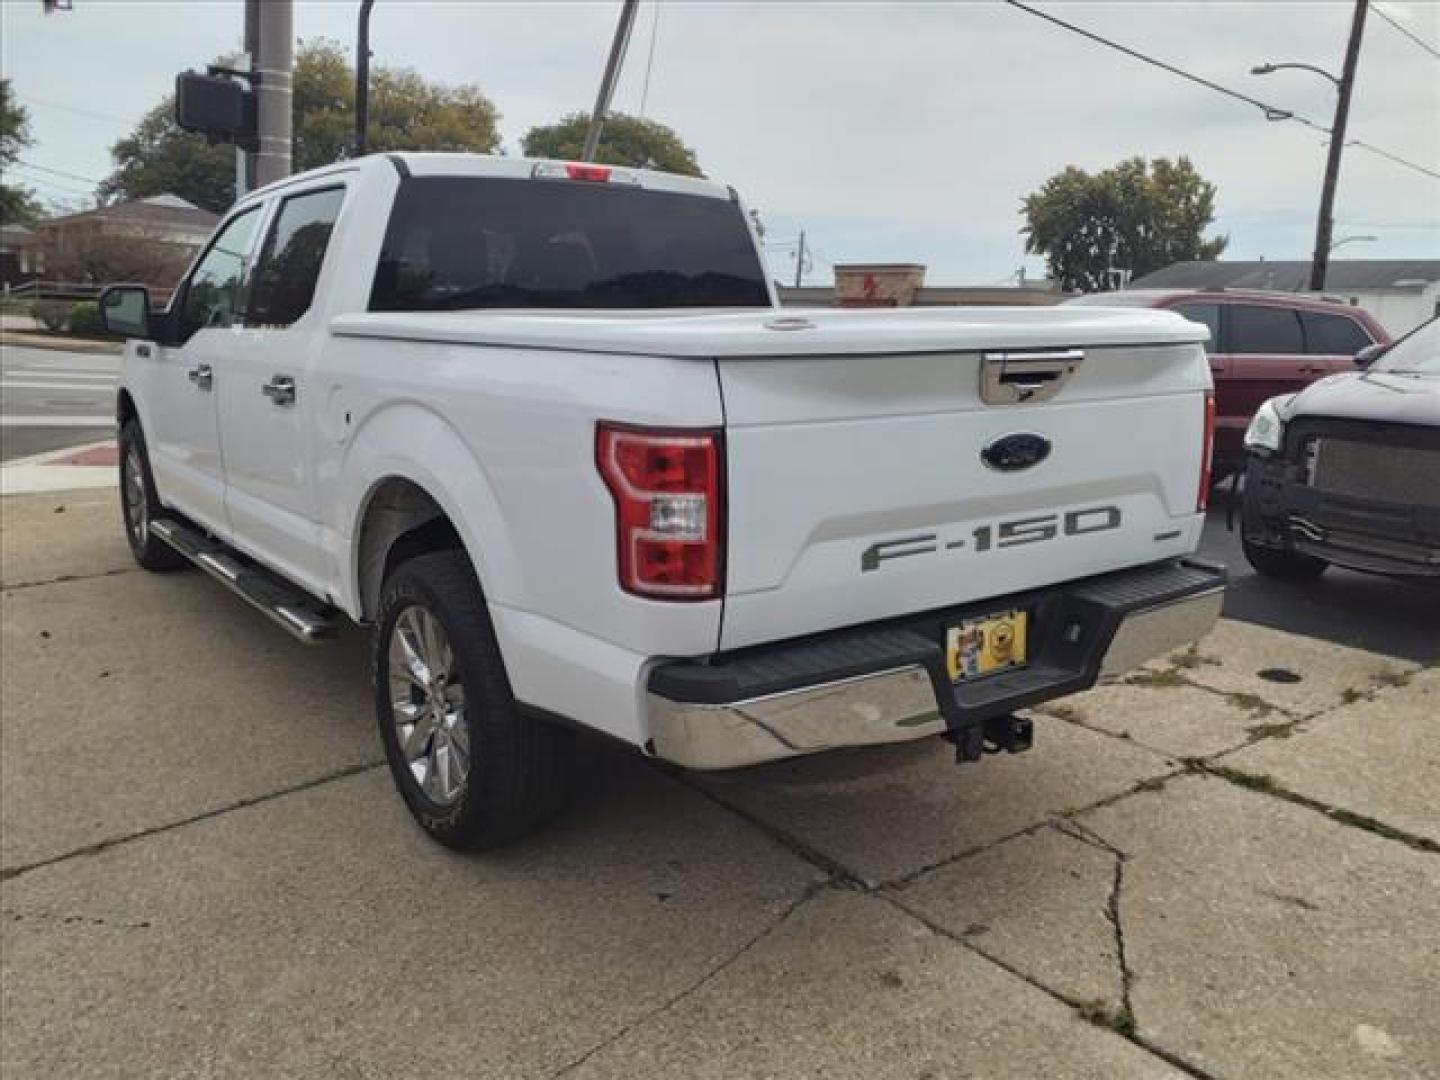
x,y
1226,866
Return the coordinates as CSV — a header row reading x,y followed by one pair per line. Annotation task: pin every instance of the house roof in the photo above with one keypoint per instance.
x,y
161,211
1291,276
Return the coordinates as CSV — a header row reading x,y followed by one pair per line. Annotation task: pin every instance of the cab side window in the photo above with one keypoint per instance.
x,y
212,296
283,284
1272,330
1206,314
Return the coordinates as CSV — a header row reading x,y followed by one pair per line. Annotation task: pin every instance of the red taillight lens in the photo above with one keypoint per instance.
x,y
669,509
1207,453
578,171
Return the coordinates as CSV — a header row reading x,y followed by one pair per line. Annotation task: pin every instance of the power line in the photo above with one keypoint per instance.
x,y
650,60
1392,157
56,172
1271,112
73,109
1407,32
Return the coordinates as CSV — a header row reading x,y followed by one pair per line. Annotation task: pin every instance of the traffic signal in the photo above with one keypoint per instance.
x,y
217,107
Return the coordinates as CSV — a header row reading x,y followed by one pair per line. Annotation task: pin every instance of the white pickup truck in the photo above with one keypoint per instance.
x,y
544,427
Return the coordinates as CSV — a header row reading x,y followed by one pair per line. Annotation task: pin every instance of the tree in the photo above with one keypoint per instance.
x,y
1135,217
406,113
16,203
88,250
625,140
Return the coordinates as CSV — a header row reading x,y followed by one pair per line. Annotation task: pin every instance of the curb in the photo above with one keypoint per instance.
x,y
44,472
21,339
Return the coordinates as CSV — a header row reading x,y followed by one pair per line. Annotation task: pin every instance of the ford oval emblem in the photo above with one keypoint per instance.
x,y
1011,453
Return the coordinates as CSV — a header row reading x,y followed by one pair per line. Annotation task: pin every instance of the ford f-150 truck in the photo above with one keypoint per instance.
x,y
543,426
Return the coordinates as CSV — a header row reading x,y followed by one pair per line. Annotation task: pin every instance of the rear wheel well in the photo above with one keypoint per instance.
x,y
401,522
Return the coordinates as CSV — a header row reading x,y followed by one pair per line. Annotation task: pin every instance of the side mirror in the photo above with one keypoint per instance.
x,y
125,311
1368,355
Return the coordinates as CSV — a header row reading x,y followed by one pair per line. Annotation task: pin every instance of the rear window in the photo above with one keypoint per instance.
x,y
1256,329
456,243
1333,335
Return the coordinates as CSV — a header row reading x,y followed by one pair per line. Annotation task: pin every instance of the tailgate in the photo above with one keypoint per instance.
x,y
863,487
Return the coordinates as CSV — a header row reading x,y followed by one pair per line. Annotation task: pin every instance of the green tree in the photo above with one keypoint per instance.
x,y
16,203
407,112
1135,216
625,140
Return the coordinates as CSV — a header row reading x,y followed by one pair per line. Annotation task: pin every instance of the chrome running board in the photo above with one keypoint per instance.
x,y
297,612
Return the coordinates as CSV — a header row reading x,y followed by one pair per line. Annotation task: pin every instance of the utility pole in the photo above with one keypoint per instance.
x,y
800,259
610,78
274,58
362,79
1320,263
245,160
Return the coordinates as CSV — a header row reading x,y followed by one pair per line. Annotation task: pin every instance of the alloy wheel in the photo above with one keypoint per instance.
x,y
427,704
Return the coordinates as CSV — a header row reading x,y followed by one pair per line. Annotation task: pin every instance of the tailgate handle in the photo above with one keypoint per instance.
x,y
1026,378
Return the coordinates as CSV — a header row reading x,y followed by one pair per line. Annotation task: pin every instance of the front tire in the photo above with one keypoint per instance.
x,y
1282,563
139,505
474,772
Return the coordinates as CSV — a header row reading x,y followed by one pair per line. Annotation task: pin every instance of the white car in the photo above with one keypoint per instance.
x,y
544,427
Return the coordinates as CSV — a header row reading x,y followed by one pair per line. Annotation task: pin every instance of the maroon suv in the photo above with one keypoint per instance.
x,y
1261,344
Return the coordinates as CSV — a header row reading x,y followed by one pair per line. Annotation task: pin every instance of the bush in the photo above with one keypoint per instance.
x,y
51,314
84,318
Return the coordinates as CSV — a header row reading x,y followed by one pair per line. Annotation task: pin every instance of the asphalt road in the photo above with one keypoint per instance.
x,y
1381,615
51,399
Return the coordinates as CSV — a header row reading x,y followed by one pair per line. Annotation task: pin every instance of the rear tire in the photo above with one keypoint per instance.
x,y
473,770
139,505
1283,564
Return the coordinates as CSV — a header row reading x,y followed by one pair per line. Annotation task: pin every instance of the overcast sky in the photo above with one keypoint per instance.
x,y
898,132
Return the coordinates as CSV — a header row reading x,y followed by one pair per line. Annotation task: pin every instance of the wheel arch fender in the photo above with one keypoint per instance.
x,y
409,451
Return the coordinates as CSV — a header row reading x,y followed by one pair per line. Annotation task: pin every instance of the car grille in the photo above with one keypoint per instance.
x,y
1374,470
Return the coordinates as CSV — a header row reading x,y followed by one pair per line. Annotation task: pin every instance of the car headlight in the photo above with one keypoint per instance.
x,y
1266,428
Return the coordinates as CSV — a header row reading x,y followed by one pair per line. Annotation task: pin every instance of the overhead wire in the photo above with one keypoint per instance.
x,y
1272,112
1431,49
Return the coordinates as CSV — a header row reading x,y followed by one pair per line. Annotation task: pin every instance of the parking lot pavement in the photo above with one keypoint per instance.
x,y
1202,871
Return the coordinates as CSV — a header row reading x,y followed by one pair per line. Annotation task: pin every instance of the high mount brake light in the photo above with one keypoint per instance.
x,y
577,171
1207,453
668,487
582,170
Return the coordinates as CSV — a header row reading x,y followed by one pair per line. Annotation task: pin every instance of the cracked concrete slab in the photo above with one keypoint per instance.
x,y
1318,675
1269,941
1183,721
139,699
75,533
321,934
849,986
887,812
1037,903
1380,758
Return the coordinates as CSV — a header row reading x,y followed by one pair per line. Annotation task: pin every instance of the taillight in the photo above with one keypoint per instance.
x,y
1207,453
669,509
578,171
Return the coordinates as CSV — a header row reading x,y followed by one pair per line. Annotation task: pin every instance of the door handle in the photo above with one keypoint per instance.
x,y
201,375
280,389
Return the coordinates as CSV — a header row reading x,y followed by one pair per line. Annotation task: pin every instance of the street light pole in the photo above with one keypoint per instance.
x,y
1325,223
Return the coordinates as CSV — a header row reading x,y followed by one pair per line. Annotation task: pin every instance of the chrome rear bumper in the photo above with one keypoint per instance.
x,y
908,699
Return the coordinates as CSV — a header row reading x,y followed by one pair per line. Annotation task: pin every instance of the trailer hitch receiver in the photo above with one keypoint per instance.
x,y
1009,733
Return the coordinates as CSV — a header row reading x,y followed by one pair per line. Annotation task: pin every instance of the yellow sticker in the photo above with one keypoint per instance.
x,y
982,646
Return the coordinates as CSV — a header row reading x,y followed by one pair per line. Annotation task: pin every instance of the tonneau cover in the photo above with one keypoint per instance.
x,y
783,332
